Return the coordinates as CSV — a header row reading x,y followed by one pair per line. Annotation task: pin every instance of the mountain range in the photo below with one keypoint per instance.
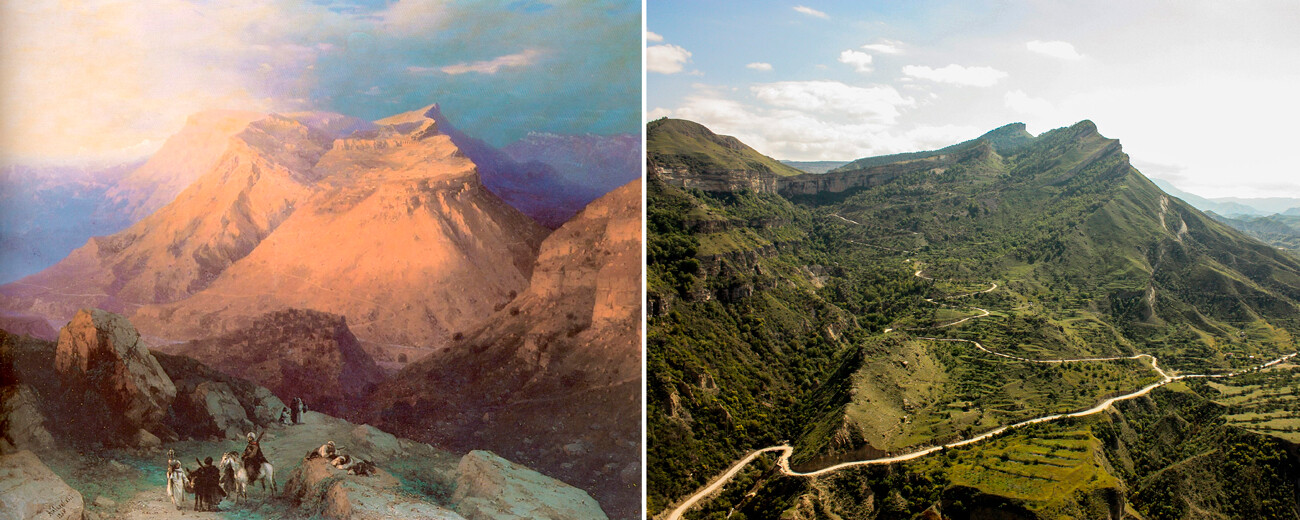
x,y
318,254
833,312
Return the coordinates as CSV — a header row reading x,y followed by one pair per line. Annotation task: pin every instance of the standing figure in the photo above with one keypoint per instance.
x,y
207,486
295,410
176,480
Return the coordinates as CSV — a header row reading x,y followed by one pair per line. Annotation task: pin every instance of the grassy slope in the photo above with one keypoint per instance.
x,y
681,143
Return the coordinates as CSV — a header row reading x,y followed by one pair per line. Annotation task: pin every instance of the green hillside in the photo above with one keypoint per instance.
x,y
686,144
781,334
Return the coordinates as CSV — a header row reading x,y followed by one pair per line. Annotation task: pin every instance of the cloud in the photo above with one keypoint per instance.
x,y
788,133
860,61
758,65
810,11
877,104
652,37
413,17
103,80
1055,49
521,59
666,59
885,47
1023,103
957,75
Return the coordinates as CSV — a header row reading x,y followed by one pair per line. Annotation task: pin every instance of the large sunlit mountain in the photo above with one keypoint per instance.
x,y
798,308
382,226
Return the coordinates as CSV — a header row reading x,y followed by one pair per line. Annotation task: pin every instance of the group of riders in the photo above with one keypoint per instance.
x,y
209,483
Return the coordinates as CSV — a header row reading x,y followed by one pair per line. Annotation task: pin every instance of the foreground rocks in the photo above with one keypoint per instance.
x,y
100,354
22,425
28,489
491,488
320,489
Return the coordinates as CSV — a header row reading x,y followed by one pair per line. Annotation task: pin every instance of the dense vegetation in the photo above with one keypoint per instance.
x,y
804,319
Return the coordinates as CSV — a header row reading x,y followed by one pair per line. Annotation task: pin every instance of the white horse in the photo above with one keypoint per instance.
x,y
234,477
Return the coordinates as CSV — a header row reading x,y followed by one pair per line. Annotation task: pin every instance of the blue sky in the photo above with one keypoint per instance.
x,y
1199,92
105,80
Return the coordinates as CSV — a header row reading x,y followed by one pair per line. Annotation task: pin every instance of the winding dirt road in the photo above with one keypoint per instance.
x,y
787,451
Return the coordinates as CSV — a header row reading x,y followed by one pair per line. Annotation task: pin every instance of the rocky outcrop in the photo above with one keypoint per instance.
x,y
211,403
295,353
321,490
28,489
22,423
101,353
491,488
728,181
213,409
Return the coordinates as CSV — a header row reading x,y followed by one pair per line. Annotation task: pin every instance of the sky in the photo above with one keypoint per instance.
x,y
1200,93
105,81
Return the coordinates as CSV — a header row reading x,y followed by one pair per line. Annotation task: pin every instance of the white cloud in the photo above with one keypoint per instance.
x,y
522,59
885,47
1055,49
1023,103
860,61
876,104
758,65
666,59
414,17
653,37
957,75
810,11
793,134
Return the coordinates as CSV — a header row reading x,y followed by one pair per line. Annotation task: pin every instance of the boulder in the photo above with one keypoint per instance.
x,y
101,353
28,489
266,407
492,488
22,425
319,489
372,442
214,410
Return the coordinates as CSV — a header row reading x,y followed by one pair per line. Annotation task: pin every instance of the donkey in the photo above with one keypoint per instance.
x,y
234,477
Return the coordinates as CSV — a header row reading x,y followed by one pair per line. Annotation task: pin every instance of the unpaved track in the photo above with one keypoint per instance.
x,y
787,451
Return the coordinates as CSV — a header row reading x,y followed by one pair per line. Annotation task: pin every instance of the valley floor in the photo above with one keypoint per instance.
x,y
786,452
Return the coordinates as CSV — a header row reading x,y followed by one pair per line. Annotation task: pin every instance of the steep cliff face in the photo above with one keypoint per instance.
x,y
686,154
875,175
571,341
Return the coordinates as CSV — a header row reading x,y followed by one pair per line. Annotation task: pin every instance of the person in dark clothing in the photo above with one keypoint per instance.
x,y
253,457
207,486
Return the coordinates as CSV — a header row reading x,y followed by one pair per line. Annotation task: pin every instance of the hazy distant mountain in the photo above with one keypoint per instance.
x,y
814,166
46,212
549,177
1230,206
